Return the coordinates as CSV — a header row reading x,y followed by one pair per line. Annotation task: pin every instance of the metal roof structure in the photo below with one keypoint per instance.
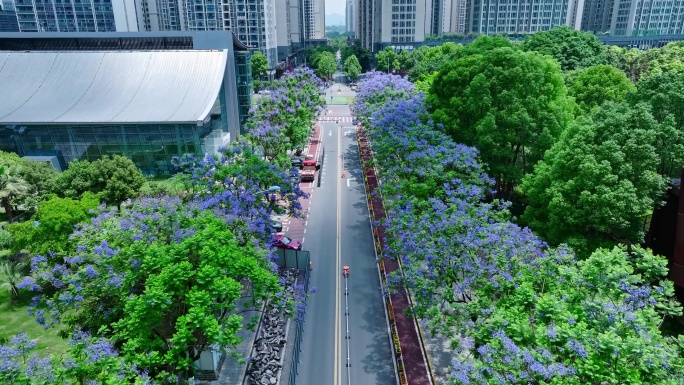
x,y
114,87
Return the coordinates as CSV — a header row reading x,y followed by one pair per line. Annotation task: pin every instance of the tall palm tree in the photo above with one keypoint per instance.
x,y
11,186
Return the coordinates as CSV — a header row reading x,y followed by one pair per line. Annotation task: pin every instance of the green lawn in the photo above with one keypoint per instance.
x,y
340,100
14,318
160,181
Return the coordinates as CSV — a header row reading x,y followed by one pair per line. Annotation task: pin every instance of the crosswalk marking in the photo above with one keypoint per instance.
x,y
341,119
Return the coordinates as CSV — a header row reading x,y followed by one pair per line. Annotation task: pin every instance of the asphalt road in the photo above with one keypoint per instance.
x,y
338,234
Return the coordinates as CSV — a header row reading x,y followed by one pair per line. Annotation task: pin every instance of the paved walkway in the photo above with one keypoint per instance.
x,y
417,372
295,228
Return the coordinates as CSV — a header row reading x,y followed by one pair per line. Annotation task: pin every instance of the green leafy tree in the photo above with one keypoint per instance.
x,y
173,281
9,159
52,225
665,94
77,179
339,43
593,86
387,60
597,182
510,104
115,179
560,313
326,65
12,186
513,310
633,62
312,54
425,83
364,55
259,65
571,48
639,64
5,240
429,59
352,68
406,60
669,58
39,176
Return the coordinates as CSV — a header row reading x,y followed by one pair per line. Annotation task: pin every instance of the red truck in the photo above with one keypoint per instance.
x,y
308,171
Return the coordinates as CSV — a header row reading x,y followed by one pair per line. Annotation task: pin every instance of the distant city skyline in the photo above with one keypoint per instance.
x,y
335,6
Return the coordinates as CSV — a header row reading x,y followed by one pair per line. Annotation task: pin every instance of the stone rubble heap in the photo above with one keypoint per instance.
x,y
269,345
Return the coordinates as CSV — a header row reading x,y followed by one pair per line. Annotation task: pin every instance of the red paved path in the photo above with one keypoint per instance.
x,y
295,228
411,350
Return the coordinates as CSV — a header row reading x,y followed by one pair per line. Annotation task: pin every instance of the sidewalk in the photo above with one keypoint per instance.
x,y
295,228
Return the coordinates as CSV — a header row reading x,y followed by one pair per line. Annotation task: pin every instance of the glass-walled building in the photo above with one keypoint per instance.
x,y
147,105
150,146
243,71
148,96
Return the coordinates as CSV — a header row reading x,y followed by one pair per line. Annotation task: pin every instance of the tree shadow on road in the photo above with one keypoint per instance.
x,y
378,361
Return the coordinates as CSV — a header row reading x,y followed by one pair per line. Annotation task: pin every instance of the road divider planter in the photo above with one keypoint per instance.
x,y
395,339
381,264
401,372
402,378
390,311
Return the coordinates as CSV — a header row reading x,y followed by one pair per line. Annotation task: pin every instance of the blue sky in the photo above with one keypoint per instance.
x,y
335,6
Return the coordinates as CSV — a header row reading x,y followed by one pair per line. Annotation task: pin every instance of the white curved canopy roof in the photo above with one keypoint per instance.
x,y
109,87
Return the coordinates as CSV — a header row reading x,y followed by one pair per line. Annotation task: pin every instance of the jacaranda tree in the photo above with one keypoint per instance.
x,y
88,360
377,88
238,180
515,310
161,279
283,120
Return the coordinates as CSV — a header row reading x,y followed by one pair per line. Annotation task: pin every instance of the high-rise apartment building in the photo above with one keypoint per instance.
x,y
380,22
204,15
597,15
350,17
366,28
254,23
394,21
76,15
289,29
633,17
8,18
457,20
313,18
448,16
161,15
522,16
